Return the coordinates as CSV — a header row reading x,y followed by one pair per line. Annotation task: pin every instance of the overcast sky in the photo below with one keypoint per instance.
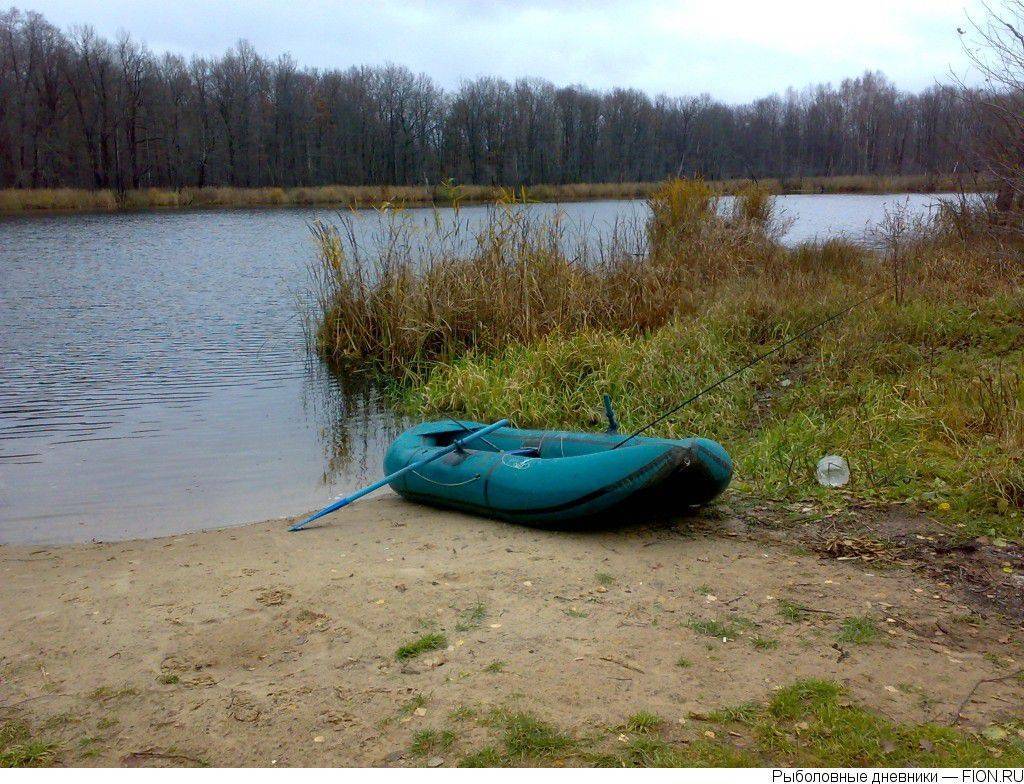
x,y
733,50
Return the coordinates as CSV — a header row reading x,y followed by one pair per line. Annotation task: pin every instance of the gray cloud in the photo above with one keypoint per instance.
x,y
732,50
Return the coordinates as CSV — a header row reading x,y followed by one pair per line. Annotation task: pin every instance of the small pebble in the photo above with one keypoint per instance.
x,y
435,762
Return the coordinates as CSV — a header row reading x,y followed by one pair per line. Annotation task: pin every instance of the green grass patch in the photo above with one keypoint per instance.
x,y
605,579
682,661
643,722
729,630
20,749
572,612
713,628
487,757
764,643
860,630
59,720
813,723
425,644
792,611
525,740
410,706
496,666
471,617
647,751
462,713
431,741
106,693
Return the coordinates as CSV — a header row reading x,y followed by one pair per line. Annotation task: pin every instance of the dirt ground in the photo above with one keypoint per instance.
x,y
253,646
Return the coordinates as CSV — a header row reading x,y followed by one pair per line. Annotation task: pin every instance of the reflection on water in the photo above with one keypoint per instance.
x,y
154,379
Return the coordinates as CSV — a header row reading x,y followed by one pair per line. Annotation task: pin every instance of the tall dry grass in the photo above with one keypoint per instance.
x,y
353,196
425,290
27,200
444,193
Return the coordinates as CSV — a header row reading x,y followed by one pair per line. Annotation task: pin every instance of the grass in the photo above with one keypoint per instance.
x,y
810,723
711,627
407,709
813,723
764,643
920,390
572,612
420,291
428,642
496,666
462,713
605,579
642,722
792,612
525,740
922,396
20,749
858,631
105,693
431,741
652,752
447,192
471,617
346,196
683,662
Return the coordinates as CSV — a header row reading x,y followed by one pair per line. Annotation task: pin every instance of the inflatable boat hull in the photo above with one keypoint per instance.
x,y
557,479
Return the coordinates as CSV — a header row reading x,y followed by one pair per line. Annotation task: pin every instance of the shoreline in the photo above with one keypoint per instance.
x,y
46,201
250,645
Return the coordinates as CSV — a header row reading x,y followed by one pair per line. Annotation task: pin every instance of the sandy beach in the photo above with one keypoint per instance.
x,y
253,646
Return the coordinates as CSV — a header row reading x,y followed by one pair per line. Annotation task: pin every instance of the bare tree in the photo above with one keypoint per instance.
x,y
80,111
995,46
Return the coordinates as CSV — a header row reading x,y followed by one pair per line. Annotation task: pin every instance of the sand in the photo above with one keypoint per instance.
x,y
253,646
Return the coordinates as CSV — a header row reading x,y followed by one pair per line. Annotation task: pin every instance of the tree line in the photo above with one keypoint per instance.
x,y
79,110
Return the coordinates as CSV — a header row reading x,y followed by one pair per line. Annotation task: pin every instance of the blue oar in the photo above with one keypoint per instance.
x,y
457,444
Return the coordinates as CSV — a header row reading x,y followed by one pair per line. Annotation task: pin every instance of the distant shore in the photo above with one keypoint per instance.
x,y
33,200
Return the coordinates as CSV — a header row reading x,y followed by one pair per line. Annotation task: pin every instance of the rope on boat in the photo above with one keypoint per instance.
x,y
446,484
749,365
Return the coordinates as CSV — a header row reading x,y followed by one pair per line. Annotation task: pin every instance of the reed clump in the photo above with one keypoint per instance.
x,y
27,200
428,288
446,192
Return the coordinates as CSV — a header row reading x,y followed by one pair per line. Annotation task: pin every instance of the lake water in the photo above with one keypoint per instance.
x,y
154,377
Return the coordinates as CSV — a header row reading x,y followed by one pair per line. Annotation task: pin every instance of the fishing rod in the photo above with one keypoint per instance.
x,y
749,365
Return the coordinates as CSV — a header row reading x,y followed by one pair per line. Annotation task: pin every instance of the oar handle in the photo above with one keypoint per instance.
x,y
457,444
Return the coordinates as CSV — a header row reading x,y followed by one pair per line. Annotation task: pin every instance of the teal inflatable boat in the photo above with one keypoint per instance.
x,y
555,479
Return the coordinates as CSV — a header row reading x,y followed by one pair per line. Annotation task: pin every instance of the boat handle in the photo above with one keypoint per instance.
x,y
446,484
